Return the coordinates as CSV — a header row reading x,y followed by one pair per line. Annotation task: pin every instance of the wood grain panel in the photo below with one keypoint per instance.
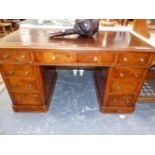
x,y
124,86
23,71
134,58
26,99
121,100
55,57
96,58
128,73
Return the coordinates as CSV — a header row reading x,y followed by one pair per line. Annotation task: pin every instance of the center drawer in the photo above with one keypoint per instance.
x,y
96,58
54,57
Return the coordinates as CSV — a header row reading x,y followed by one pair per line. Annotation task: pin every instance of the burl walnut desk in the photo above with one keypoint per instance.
x,y
28,61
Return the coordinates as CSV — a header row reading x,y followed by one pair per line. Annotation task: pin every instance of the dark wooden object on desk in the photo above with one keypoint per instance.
x,y
28,61
5,28
82,27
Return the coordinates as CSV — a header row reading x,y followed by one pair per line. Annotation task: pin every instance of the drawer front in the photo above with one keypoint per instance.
x,y
133,59
22,85
128,73
121,101
14,56
124,86
24,71
55,57
6,56
23,57
96,58
26,99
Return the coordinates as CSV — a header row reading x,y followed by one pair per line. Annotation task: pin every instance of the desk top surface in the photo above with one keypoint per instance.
x,y
103,40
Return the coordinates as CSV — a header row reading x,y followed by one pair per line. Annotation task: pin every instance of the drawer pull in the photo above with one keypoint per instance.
x,y
125,59
9,73
29,86
141,59
26,72
132,88
5,56
121,75
95,58
53,57
127,101
114,101
15,86
118,87
137,75
22,56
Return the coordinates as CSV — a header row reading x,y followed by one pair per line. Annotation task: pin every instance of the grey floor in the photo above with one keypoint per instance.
x,y
74,110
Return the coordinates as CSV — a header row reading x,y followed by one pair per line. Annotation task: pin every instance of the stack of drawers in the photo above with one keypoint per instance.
x,y
20,78
125,85
126,79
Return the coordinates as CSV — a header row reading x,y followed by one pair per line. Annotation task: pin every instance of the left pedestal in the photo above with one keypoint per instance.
x,y
30,87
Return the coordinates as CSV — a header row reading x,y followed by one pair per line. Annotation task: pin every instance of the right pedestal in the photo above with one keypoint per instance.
x,y
118,87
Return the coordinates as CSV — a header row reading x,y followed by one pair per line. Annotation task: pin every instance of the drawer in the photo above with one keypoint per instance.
x,y
128,73
96,58
133,58
124,86
15,56
55,57
24,71
6,56
26,99
121,101
27,85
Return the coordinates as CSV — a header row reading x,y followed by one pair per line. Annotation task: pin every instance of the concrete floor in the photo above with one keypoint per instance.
x,y
74,110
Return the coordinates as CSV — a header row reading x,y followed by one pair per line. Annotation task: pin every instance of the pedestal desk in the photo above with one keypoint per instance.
x,y
28,61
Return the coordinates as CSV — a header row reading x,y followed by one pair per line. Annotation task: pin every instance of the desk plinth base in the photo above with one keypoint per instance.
x,y
118,110
30,108
100,84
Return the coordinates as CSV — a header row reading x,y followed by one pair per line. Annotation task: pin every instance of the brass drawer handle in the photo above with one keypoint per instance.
x,y
121,75
9,73
26,72
95,59
29,86
125,59
114,101
53,57
137,75
23,56
15,86
132,88
5,56
118,87
141,59
127,101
